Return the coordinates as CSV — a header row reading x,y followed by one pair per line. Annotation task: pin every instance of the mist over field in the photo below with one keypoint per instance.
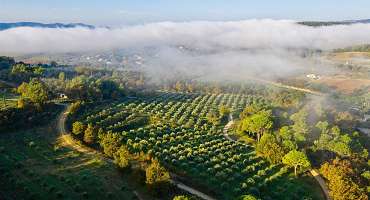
x,y
235,48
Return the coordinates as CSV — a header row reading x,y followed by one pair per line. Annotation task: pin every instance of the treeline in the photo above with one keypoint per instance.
x,y
318,24
6,62
359,48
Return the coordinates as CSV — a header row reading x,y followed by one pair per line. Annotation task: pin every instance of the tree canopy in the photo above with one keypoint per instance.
x,y
296,159
269,148
342,184
36,91
78,128
300,126
122,157
155,173
258,123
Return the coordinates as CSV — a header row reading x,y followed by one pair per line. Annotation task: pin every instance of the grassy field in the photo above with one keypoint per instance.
x,y
35,164
8,99
344,84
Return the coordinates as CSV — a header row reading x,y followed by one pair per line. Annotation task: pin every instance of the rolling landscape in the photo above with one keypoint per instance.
x,y
186,105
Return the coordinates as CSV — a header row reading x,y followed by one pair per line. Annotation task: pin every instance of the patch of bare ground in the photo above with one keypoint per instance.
x,y
343,84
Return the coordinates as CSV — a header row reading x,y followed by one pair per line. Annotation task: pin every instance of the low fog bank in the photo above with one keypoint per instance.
x,y
213,49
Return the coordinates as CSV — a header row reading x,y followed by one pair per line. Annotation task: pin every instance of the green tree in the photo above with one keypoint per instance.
x,y
300,126
224,110
323,126
78,128
341,177
296,159
53,64
252,109
79,88
248,197
108,88
21,103
179,87
110,143
36,91
6,62
258,123
155,173
122,157
269,148
90,134
182,197
287,136
62,76
190,87
213,118
335,141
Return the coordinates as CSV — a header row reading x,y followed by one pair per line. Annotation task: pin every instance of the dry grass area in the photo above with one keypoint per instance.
x,y
352,58
344,56
344,84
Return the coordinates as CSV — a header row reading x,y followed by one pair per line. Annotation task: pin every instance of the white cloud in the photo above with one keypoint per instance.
x,y
208,35
258,46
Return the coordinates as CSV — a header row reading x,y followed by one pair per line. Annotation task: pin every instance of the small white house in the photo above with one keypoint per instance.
x,y
313,76
63,96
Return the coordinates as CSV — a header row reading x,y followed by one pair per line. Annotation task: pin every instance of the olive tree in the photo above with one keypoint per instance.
x,y
296,159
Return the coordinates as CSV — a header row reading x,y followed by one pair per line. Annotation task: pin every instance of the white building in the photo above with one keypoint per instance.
x,y
313,76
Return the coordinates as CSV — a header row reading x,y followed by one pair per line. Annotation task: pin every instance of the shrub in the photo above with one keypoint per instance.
x,y
78,128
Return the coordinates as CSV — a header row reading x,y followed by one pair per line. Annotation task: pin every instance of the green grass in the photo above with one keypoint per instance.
x,y
33,165
302,187
10,100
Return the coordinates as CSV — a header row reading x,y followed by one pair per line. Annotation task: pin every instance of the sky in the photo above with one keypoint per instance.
x,y
128,12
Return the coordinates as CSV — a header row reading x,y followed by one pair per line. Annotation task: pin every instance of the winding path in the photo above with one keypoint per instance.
x,y
281,85
321,182
83,149
227,127
67,139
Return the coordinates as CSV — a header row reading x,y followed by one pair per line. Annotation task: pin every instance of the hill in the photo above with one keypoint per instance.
x,y
331,23
4,26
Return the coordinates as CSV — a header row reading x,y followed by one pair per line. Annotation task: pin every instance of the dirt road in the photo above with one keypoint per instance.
x,y
227,127
280,85
322,183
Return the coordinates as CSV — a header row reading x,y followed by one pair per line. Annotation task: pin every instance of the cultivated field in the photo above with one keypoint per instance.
x,y
181,137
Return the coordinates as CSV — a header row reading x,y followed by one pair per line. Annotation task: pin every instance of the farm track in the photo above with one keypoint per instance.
x,y
281,85
321,182
69,141
313,172
227,127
